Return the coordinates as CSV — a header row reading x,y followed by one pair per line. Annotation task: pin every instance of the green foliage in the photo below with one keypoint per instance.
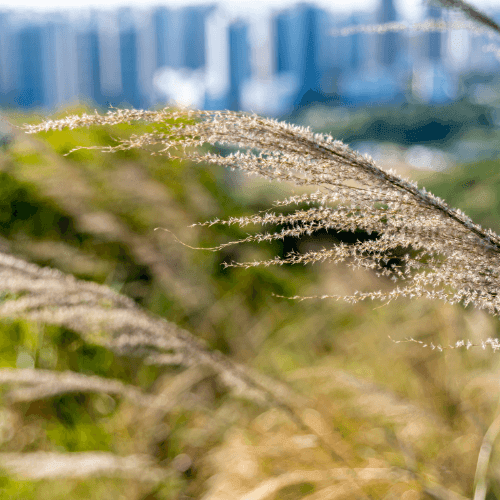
x,y
471,186
408,124
94,489
295,492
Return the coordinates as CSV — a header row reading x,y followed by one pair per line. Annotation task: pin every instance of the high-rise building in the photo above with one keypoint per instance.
x,y
88,62
239,62
289,41
388,42
30,86
131,93
8,74
282,41
60,63
216,71
296,40
193,36
355,57
160,18
309,72
169,37
432,46
109,58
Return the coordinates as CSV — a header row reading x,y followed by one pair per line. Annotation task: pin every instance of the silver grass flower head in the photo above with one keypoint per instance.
x,y
447,256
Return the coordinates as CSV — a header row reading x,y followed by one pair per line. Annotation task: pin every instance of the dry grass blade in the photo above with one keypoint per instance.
x,y
109,319
483,461
479,23
50,465
42,384
426,26
268,489
471,12
106,318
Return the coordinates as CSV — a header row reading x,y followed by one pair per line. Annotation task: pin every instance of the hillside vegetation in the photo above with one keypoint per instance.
x,y
408,420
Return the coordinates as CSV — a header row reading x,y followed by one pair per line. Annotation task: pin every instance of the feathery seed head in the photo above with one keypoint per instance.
x,y
449,257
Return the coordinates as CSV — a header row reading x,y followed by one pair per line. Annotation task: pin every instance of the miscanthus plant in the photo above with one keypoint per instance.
x,y
442,253
445,256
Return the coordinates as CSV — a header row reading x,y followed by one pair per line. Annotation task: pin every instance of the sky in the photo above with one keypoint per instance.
x,y
411,10
408,9
56,4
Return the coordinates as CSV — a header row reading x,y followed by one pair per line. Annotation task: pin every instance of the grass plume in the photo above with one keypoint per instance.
x,y
446,256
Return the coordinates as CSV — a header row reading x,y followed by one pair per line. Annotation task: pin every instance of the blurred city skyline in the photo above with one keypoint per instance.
x,y
208,57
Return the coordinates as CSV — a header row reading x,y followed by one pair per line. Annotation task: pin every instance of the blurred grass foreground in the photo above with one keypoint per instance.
x,y
280,400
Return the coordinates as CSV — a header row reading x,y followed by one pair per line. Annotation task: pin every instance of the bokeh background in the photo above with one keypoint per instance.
x,y
425,104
